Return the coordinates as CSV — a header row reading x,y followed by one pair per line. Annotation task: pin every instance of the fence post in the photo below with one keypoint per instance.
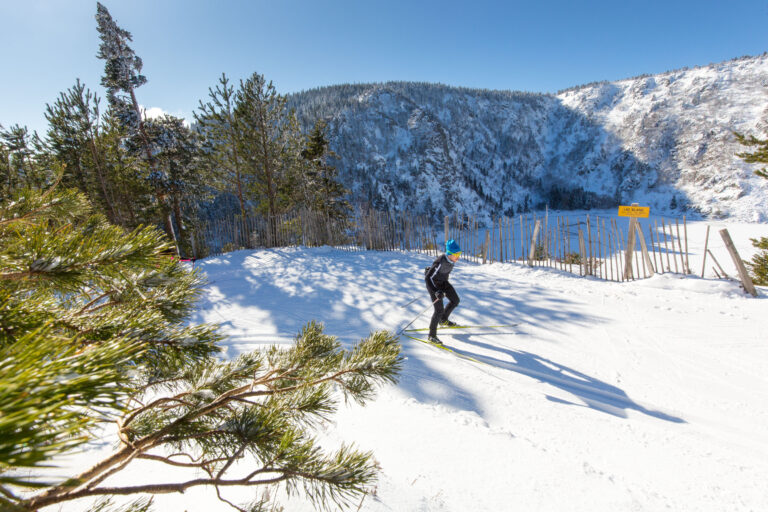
x,y
501,242
644,248
590,259
531,255
718,265
685,232
583,254
706,241
630,248
746,281
653,248
683,260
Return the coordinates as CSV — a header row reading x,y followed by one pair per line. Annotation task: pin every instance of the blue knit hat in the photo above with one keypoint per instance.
x,y
451,247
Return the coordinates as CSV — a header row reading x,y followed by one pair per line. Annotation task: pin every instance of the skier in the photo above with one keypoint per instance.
x,y
436,277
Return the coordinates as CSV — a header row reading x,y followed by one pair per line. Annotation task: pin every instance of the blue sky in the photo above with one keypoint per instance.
x,y
539,46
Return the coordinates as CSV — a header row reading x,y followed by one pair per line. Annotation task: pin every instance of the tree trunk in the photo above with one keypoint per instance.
x,y
161,198
108,198
179,221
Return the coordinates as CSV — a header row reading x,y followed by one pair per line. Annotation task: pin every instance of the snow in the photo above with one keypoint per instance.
x,y
606,396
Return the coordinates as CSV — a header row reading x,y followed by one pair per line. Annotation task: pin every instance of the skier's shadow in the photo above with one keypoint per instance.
x,y
592,392
426,385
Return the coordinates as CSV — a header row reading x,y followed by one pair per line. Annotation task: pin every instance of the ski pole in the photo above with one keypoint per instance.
x,y
417,317
410,302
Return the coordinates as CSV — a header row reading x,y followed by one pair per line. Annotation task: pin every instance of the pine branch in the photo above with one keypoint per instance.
x,y
99,332
277,382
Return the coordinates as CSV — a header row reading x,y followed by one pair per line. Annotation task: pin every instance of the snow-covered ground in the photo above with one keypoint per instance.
x,y
644,396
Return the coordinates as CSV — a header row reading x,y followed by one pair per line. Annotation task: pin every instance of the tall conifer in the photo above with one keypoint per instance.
x,y
74,129
122,76
322,190
176,150
271,142
222,134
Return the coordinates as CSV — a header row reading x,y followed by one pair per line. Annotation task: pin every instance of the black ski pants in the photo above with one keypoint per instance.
x,y
442,313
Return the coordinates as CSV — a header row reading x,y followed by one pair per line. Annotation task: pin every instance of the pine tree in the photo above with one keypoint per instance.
x,y
179,173
132,189
122,76
22,167
673,202
759,156
94,331
222,133
270,143
73,136
320,189
759,264
7,176
82,305
222,145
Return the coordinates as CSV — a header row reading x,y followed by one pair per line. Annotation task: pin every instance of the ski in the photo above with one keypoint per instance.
x,y
463,327
447,349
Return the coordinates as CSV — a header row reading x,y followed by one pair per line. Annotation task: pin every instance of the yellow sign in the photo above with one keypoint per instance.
x,y
634,211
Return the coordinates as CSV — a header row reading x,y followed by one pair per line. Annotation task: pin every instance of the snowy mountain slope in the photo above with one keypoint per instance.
x,y
681,123
664,140
643,396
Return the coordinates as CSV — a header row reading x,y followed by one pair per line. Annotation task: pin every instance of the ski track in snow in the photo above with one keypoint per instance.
x,y
642,396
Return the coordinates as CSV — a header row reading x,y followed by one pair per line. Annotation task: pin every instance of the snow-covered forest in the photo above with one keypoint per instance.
x,y
664,140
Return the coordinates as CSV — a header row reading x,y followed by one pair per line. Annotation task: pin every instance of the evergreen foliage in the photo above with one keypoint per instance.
x,y
93,331
179,172
271,139
84,305
758,156
122,69
131,185
317,186
21,166
222,139
759,264
252,144
75,138
140,171
122,76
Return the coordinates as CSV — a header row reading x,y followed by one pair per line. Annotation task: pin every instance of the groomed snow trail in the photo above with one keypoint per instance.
x,y
606,396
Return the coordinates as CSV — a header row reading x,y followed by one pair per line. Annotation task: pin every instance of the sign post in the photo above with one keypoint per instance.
x,y
634,212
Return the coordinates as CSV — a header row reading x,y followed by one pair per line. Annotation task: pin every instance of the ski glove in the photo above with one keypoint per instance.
x,y
440,294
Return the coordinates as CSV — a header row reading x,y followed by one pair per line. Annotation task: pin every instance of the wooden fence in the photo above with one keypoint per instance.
x,y
367,229
588,246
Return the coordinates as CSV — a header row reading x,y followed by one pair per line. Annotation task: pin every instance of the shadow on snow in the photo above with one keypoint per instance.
x,y
594,393
280,290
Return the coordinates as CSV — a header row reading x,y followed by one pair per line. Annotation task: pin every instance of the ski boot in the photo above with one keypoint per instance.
x,y
435,340
448,323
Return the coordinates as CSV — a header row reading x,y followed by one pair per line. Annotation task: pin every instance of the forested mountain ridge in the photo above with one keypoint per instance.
x,y
665,141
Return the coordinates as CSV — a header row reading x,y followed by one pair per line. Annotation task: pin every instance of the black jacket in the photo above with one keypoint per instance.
x,y
436,275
